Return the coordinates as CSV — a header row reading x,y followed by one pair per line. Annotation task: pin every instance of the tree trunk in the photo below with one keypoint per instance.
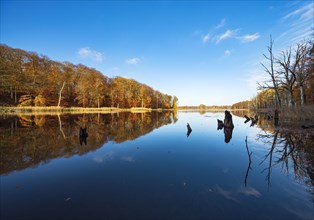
x,y
278,100
301,95
60,92
11,91
112,101
15,97
288,99
292,98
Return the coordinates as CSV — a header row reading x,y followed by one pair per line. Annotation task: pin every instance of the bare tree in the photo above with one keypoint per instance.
x,y
302,52
288,77
289,67
273,83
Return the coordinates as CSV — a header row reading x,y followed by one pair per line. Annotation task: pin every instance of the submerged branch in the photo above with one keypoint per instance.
x,y
250,161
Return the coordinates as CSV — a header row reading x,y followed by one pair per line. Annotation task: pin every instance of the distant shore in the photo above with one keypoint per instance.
x,y
5,110
70,110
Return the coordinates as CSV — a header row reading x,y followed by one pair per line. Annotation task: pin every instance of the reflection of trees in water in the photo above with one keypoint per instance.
x,y
241,113
249,164
263,121
27,141
289,149
285,147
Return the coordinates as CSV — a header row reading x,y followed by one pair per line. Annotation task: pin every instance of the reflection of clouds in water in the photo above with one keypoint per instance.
x,y
250,191
254,143
227,194
231,195
299,212
226,170
98,159
128,159
103,158
110,156
252,133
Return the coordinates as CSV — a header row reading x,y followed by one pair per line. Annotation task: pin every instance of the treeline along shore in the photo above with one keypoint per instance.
x,y
31,80
289,85
50,110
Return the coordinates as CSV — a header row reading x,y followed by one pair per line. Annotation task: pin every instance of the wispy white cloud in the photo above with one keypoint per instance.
x,y
227,52
249,37
299,24
254,77
94,55
221,23
226,35
206,38
133,61
304,12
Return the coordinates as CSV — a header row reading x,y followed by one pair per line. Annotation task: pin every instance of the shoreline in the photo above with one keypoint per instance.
x,y
72,110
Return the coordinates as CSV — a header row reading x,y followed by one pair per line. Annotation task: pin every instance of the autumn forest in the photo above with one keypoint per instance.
x,y
29,79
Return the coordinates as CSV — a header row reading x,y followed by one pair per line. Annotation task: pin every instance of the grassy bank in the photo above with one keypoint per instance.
x,y
304,114
295,116
68,110
294,113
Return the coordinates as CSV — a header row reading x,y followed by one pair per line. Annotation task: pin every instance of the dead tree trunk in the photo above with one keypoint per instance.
x,y
301,95
60,93
273,74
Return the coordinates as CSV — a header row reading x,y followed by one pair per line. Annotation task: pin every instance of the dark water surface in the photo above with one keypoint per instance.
x,y
144,166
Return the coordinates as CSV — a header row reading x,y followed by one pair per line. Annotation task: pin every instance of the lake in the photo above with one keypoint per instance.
x,y
146,166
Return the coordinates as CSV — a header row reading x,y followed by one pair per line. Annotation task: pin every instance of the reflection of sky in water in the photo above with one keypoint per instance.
x,y
232,195
163,174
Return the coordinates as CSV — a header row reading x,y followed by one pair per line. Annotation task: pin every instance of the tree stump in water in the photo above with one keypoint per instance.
x,y
228,123
220,124
247,119
189,130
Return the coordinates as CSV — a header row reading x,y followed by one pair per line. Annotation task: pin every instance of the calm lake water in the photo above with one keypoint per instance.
x,y
145,166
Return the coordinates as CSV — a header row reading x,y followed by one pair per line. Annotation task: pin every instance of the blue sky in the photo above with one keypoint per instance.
x,y
204,52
